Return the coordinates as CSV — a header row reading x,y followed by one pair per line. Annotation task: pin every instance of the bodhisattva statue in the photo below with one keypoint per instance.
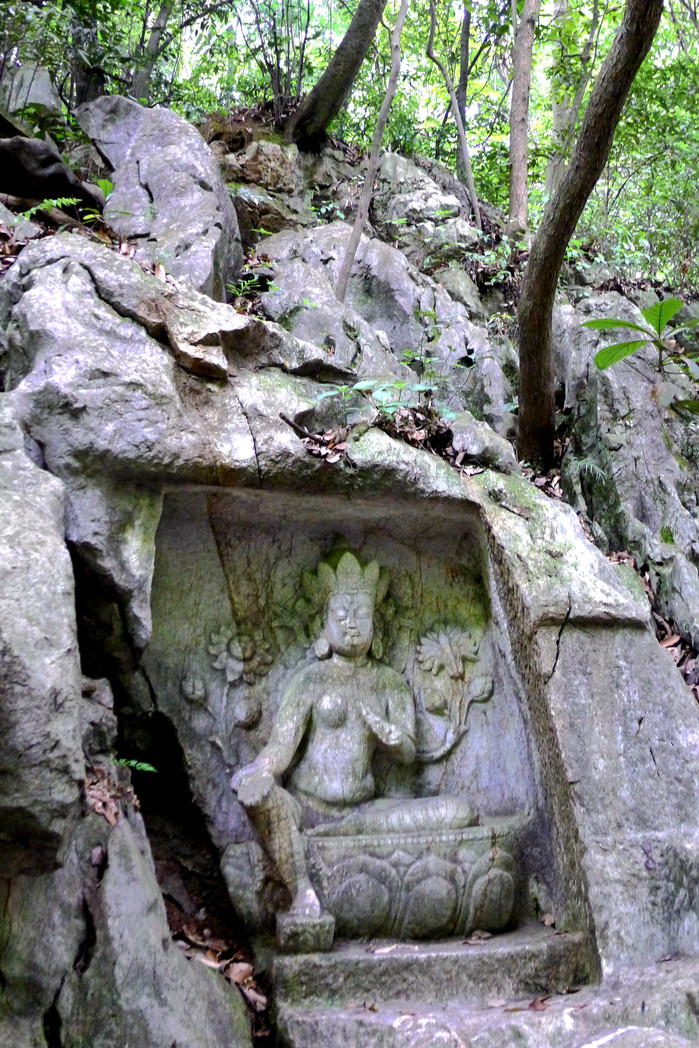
x,y
315,773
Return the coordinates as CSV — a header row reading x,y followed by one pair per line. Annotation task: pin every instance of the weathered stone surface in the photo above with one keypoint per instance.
x,y
29,85
19,224
112,974
425,221
481,444
420,321
633,466
102,364
138,987
302,300
458,283
272,165
41,759
531,961
260,212
168,192
654,1008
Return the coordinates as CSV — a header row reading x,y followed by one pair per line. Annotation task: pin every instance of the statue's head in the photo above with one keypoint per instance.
x,y
352,593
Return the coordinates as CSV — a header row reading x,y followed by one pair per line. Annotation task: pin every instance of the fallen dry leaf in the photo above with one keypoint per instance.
x,y
548,920
538,1004
256,1000
239,972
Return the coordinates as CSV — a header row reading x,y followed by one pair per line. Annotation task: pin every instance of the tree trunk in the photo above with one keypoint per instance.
x,y
140,87
309,123
373,165
463,144
519,112
462,87
566,106
88,80
536,380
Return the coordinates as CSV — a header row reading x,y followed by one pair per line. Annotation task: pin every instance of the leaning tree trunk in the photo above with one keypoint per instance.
x,y
536,380
519,114
309,123
373,165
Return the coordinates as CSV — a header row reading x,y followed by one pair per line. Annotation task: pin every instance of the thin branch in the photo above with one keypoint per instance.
x,y
457,116
373,164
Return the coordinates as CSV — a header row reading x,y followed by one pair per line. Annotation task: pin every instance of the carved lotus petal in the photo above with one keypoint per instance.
x,y
234,669
220,639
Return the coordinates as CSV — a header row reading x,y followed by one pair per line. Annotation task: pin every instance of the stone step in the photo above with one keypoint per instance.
x,y
651,1008
532,960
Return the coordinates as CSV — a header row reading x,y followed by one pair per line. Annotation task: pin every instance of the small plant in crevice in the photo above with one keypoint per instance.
x,y
672,358
135,765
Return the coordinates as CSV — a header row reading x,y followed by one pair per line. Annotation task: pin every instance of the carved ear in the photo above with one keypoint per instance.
x,y
322,647
382,586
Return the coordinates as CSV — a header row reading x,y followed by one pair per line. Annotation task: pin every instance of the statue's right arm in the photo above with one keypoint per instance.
x,y
255,781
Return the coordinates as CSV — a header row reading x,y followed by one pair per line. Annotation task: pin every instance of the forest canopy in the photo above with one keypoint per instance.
x,y
197,56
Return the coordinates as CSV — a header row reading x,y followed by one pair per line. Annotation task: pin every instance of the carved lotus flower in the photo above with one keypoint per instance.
x,y
229,656
243,656
447,648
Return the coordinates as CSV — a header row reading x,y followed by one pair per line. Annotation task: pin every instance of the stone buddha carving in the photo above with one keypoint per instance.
x,y
315,775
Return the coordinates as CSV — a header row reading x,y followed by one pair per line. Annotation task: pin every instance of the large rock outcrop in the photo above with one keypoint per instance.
x,y
195,513
633,466
168,192
40,682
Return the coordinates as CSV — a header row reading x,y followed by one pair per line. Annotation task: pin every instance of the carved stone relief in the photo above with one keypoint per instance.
x,y
383,659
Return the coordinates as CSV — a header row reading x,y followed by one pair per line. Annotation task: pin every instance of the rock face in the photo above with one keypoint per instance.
x,y
168,192
29,85
425,221
633,465
113,975
408,312
198,522
39,664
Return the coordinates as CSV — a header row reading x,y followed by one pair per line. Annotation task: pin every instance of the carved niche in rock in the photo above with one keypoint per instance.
x,y
339,708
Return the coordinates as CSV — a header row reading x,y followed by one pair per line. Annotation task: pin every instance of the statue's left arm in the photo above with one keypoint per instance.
x,y
395,732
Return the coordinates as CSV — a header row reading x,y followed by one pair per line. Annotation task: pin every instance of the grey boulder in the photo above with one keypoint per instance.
x,y
40,683
168,192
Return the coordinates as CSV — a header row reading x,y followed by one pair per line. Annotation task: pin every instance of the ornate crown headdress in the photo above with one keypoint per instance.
x,y
347,576
350,577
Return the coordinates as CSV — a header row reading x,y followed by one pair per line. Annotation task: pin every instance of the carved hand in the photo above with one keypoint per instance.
x,y
388,734
252,785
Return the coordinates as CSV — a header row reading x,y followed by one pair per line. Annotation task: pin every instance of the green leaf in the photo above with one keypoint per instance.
x,y
617,351
366,383
136,765
607,323
662,312
687,405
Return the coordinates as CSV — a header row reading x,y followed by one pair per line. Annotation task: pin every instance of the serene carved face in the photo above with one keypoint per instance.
x,y
350,623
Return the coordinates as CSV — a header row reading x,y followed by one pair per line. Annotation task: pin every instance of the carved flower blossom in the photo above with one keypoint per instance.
x,y
447,648
241,657
229,656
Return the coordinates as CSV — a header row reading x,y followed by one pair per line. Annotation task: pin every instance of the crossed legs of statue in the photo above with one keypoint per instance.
x,y
277,819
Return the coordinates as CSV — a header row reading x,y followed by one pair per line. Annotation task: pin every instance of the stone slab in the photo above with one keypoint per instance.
x,y
654,1007
532,960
